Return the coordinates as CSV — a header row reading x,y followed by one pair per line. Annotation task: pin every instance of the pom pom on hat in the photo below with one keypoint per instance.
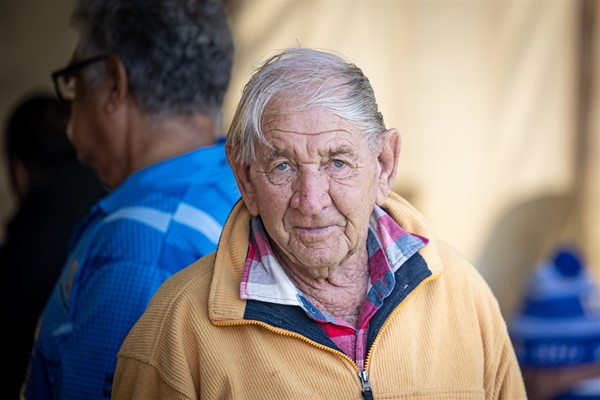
x,y
559,323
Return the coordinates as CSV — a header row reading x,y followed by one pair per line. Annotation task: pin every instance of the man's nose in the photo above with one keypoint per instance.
x,y
310,191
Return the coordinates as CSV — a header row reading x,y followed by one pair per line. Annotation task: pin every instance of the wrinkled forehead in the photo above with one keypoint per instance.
x,y
293,115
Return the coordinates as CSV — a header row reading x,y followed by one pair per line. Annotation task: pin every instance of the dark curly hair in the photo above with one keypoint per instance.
x,y
178,53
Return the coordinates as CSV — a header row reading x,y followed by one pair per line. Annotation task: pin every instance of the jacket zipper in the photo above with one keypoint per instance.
x,y
363,375
367,391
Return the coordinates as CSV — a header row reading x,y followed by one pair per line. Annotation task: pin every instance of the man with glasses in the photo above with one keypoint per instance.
x,y
146,85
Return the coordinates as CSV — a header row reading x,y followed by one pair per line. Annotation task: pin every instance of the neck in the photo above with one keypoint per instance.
x,y
342,293
151,139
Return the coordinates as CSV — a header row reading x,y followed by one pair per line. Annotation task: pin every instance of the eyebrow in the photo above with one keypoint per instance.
x,y
276,152
344,150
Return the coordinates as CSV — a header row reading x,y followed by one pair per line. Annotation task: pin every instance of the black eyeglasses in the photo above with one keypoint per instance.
x,y
64,82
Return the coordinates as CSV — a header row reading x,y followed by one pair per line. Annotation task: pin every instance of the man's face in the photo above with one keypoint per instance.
x,y
88,129
316,190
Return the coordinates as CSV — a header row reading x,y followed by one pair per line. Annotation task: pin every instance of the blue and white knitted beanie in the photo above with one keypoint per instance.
x,y
559,323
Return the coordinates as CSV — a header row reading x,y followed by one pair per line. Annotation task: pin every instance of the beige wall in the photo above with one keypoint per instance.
x,y
484,94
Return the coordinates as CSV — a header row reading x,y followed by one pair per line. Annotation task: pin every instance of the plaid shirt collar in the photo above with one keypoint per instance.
x,y
388,246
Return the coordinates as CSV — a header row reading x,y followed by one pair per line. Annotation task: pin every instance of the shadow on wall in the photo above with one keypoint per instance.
x,y
522,237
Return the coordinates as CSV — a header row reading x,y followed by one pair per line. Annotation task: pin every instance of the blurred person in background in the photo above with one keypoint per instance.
x,y
53,192
325,284
146,83
556,334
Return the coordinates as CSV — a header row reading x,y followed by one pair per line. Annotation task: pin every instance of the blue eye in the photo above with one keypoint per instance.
x,y
339,164
282,166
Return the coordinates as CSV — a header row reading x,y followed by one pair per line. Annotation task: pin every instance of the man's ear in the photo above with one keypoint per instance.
x,y
117,79
242,175
388,163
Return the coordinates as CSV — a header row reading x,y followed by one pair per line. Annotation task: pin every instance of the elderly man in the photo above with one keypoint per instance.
x,y
325,284
146,83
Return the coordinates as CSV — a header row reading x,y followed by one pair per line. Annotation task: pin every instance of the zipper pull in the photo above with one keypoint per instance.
x,y
367,391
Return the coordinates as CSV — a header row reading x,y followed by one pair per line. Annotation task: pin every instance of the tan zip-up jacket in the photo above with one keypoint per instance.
x,y
445,338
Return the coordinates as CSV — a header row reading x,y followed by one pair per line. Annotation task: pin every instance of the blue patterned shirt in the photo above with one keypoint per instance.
x,y
161,219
